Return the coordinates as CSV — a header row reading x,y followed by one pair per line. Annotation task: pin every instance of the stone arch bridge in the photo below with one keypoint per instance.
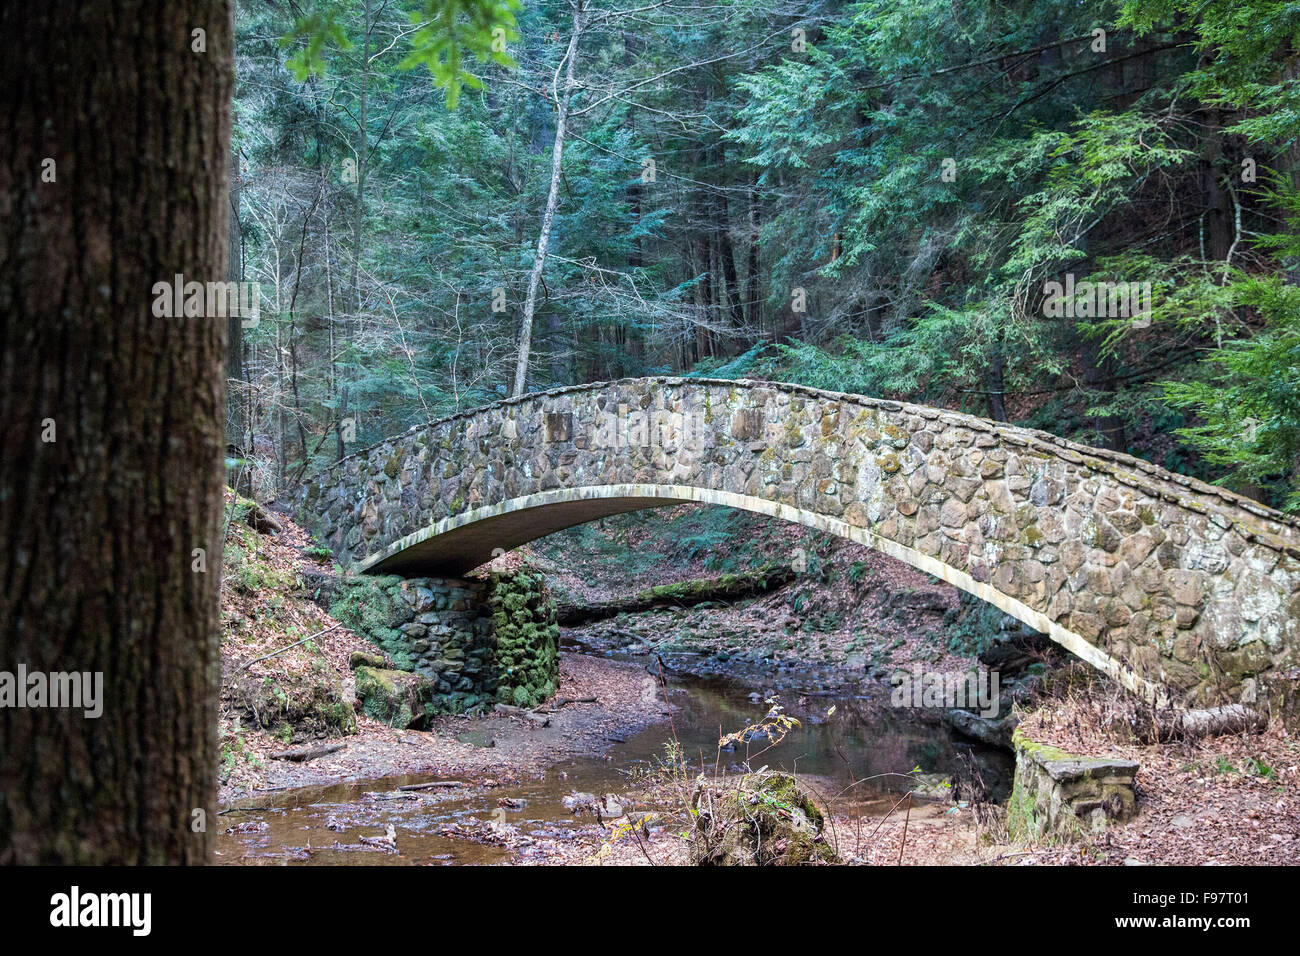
x,y
1184,592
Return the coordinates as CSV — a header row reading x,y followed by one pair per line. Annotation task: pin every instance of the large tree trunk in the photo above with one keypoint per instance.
x,y
552,200
99,526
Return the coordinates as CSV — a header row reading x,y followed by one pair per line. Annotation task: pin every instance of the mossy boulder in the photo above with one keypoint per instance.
x,y
305,708
366,659
766,819
400,699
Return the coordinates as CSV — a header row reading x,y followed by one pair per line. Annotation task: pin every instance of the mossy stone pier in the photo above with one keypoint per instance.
x,y
1183,591
457,644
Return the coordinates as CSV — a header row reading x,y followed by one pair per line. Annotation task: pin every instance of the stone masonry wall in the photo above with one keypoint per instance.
x,y
1172,585
478,642
1062,796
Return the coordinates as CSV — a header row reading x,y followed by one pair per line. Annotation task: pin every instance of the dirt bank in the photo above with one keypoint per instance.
x,y
471,747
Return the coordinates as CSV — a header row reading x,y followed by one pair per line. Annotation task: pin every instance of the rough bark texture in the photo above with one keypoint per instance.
x,y
98,528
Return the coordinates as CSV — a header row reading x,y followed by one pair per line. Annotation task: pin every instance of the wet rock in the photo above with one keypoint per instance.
x,y
577,802
993,732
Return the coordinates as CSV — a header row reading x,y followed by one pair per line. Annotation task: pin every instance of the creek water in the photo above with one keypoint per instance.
x,y
860,758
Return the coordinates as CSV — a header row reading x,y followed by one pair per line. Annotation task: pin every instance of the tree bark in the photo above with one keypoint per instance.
x,y
753,314
1196,724
727,254
995,383
235,323
98,527
552,200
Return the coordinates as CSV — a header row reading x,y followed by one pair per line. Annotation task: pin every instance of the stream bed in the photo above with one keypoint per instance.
x,y
861,758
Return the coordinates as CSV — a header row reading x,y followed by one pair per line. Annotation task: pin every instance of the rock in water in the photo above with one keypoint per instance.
x,y
579,802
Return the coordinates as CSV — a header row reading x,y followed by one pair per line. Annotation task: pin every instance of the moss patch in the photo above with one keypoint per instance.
x,y
526,636
369,606
767,819
397,698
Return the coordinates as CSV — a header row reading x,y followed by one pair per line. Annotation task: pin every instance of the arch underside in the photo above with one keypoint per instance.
x,y
459,543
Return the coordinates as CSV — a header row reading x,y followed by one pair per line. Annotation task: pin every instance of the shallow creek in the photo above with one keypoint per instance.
x,y
858,759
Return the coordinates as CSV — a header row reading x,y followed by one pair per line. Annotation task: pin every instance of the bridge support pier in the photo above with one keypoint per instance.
x,y
476,641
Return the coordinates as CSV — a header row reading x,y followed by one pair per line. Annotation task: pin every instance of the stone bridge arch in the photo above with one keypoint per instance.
x,y
1181,590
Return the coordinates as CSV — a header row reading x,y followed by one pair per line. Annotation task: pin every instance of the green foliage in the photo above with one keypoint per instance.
x,y
1239,66
1259,768
445,32
1249,397
317,32
744,365
919,173
448,29
972,627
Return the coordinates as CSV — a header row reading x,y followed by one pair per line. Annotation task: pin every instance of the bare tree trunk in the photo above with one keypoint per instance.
x,y
727,255
753,311
995,380
99,527
1099,374
235,323
358,219
552,200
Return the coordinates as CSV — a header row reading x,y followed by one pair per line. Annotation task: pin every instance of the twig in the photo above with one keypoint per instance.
x,y
905,820
1006,856
291,646
664,685
303,754
433,785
